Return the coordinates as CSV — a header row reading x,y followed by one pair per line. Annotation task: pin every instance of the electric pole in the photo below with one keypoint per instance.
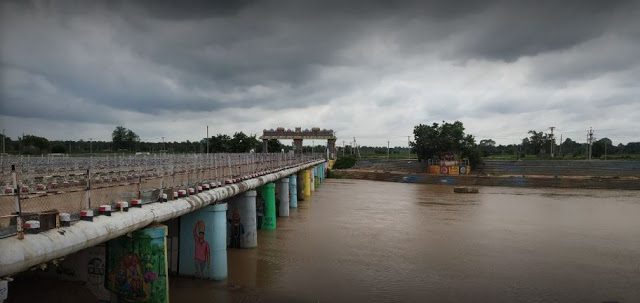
x,y
353,146
388,151
589,142
551,139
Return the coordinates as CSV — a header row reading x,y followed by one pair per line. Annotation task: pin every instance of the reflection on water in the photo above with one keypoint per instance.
x,y
377,241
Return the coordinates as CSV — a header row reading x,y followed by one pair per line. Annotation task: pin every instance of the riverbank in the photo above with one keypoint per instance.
x,y
592,182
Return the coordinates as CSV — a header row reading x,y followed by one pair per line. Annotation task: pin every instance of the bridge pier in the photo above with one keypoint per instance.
x,y
136,268
268,192
203,243
300,188
293,191
307,183
245,231
312,181
283,196
318,177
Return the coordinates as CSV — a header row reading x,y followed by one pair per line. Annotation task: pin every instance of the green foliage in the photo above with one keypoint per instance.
x,y
58,149
538,143
344,163
239,143
273,146
124,139
435,140
34,145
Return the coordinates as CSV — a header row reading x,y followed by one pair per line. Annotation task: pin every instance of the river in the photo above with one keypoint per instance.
x,y
365,241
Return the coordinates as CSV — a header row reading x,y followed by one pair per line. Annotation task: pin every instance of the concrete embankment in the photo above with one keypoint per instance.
x,y
578,168
533,173
632,183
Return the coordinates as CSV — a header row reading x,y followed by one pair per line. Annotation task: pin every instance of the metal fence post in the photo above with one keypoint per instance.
x,y
18,206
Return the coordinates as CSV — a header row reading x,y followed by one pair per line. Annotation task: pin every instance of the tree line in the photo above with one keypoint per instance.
x,y
539,145
442,140
124,140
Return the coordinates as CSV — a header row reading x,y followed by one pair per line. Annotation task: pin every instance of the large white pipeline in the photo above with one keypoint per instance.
x,y
20,255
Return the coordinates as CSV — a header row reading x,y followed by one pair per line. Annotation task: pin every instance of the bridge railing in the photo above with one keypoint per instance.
x,y
32,186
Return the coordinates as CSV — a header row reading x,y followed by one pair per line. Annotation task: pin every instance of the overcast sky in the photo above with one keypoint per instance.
x,y
370,69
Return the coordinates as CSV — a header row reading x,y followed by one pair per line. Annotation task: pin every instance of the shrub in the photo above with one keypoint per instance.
x,y
344,163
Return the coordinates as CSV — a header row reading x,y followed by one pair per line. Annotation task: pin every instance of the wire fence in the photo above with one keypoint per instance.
x,y
47,184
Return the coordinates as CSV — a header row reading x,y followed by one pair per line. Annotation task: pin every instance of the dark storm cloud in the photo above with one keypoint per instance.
x,y
524,28
99,60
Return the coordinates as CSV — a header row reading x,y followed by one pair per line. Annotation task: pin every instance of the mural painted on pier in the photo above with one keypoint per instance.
x,y
137,266
196,236
202,250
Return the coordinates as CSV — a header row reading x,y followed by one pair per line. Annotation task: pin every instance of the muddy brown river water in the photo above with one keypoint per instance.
x,y
377,241
368,241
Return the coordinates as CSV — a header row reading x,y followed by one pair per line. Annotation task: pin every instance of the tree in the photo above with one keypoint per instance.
x,y
274,146
538,142
435,140
601,146
34,145
58,149
487,147
124,138
241,143
573,148
219,143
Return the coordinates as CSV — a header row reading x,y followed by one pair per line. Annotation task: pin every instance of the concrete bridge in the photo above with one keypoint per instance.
x,y
222,202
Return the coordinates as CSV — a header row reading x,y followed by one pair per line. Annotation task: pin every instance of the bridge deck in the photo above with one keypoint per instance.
x,y
73,184
19,255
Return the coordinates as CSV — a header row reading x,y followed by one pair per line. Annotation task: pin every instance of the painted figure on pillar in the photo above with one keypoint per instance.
x,y
237,230
129,278
136,266
202,250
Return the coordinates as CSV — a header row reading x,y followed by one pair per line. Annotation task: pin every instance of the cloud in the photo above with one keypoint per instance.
x,y
371,69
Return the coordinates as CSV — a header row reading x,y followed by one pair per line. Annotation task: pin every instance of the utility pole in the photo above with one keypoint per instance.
x,y
353,146
207,139
388,150
589,142
551,139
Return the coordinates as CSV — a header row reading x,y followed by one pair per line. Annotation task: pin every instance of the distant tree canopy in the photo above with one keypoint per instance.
x,y
273,146
34,145
537,143
239,143
436,140
124,138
